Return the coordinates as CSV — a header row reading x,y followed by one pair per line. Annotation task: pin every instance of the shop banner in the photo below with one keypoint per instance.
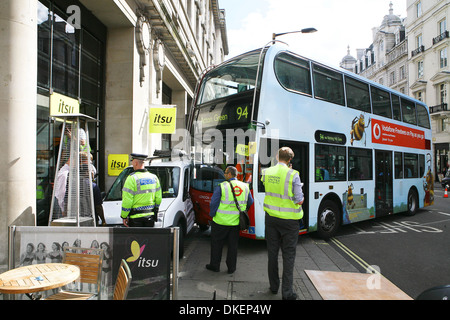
x,y
63,105
163,120
148,254
117,163
397,135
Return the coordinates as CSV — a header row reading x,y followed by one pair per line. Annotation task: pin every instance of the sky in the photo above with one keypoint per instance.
x,y
340,23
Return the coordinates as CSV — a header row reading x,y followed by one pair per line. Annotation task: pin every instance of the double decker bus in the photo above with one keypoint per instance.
x,y
363,150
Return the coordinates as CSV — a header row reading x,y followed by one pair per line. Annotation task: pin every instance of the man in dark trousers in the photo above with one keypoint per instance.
x,y
225,224
282,204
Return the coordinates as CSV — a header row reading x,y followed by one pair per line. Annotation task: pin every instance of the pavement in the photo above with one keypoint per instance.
x,y
250,280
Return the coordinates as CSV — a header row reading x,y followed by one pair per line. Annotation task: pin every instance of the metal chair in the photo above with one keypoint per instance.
x,y
123,282
89,260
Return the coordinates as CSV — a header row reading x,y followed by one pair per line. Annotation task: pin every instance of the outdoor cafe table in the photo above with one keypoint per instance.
x,y
37,277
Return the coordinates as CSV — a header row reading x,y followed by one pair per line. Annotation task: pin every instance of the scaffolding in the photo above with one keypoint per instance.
x,y
73,200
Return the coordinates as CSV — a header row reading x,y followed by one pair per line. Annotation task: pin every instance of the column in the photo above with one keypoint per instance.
x,y
18,81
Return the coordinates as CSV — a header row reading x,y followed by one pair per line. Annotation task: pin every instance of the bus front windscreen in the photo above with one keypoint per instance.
x,y
236,76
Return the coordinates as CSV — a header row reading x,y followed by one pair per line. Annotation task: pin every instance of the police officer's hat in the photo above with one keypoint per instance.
x,y
138,156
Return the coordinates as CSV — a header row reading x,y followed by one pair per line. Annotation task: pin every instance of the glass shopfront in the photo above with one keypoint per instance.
x,y
71,60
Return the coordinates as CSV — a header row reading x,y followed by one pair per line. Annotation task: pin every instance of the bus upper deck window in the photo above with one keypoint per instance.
x,y
293,73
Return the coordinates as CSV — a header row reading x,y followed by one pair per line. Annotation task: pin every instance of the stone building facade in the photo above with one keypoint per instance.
x,y
117,58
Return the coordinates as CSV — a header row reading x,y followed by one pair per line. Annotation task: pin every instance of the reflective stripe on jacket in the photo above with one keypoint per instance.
x,y
228,213
141,192
279,199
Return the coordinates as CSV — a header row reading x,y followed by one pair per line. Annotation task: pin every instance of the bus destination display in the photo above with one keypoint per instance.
x,y
228,115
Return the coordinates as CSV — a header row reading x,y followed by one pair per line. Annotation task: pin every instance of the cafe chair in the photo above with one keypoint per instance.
x,y
89,260
123,282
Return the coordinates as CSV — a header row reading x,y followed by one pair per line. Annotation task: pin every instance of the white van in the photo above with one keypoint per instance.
x,y
176,209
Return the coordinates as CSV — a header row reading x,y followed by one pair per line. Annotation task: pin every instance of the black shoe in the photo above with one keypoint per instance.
x,y
231,271
212,268
274,291
291,297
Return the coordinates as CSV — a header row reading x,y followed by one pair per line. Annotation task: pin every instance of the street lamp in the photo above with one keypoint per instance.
x,y
306,30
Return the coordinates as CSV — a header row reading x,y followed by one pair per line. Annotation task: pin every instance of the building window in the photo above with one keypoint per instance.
x,y
420,69
402,73
419,96
442,26
443,58
443,93
419,41
419,9
392,78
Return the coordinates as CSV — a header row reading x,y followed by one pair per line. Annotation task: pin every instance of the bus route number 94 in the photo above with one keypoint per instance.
x,y
242,112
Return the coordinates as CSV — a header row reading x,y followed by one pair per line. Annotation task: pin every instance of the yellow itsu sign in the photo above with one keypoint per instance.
x,y
163,120
62,105
117,163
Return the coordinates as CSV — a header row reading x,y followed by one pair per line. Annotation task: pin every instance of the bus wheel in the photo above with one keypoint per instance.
x,y
413,203
328,219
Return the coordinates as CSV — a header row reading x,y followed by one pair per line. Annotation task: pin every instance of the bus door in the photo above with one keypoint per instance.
x,y
299,163
383,183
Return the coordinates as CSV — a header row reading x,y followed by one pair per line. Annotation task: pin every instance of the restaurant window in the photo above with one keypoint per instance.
x,y
71,62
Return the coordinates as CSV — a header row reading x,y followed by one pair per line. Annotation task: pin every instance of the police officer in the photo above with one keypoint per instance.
x,y
225,224
141,195
282,204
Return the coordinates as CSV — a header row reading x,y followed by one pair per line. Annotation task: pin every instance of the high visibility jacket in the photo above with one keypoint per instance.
x,y
279,199
141,193
228,213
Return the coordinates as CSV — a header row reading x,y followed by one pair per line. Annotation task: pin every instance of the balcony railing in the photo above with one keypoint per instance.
x,y
417,51
441,37
439,108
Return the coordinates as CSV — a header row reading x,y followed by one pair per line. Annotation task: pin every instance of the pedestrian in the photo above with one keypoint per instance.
x,y
282,204
141,195
225,223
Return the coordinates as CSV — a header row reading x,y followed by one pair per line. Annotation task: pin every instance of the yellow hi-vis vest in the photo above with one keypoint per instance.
x,y
228,213
279,199
141,194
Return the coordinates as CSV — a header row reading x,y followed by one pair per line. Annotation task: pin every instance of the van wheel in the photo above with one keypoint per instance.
x,y
328,219
413,203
